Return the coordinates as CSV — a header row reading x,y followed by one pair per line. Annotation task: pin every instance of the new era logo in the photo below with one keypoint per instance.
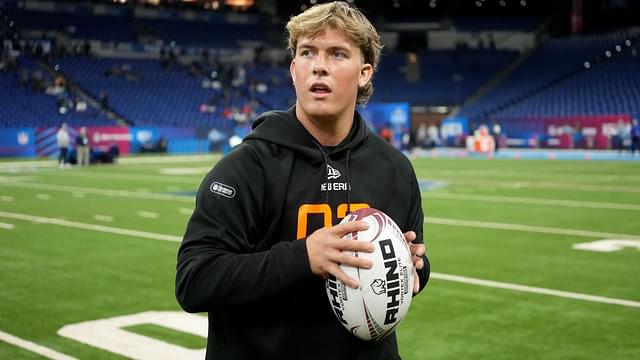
x,y
332,173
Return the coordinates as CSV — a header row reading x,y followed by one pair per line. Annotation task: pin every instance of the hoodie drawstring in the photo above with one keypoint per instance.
x,y
348,183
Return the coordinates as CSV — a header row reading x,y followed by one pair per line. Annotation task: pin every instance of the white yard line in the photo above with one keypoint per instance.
x,y
102,192
7,198
92,227
165,179
448,277
536,290
528,228
6,226
33,347
185,211
531,201
43,197
541,185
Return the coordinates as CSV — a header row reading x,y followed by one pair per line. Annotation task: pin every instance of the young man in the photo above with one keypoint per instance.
x,y
261,240
62,139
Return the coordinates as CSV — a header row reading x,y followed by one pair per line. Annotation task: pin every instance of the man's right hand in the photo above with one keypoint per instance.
x,y
325,251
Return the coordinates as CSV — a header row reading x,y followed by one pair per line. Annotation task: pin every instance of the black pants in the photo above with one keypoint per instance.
x,y
62,159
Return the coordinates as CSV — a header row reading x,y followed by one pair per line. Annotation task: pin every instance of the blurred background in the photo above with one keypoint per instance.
x,y
518,116
188,76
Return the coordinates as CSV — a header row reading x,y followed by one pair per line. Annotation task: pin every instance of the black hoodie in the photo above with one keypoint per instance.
x,y
243,258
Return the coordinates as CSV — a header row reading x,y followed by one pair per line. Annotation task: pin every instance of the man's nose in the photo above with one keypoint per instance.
x,y
320,66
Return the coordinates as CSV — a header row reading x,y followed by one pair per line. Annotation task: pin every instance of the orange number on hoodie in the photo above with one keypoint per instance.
x,y
325,210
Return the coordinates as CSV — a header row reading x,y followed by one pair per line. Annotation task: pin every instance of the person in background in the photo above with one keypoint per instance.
x,y
635,136
62,139
82,147
265,231
496,131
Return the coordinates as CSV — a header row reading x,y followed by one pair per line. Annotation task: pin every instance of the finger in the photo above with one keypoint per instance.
x,y
409,236
416,282
348,227
418,263
350,260
340,275
417,249
354,245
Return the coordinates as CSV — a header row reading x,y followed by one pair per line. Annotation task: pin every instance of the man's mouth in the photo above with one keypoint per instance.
x,y
320,88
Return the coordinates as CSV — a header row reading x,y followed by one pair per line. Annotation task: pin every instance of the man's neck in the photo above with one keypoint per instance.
x,y
328,131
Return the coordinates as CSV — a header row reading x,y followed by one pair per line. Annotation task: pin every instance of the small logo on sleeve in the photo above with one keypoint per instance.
x,y
222,189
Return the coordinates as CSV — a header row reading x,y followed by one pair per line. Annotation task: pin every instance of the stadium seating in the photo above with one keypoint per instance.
x,y
554,80
22,105
447,76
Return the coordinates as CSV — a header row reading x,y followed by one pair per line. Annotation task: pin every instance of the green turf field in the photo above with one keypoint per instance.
x,y
95,243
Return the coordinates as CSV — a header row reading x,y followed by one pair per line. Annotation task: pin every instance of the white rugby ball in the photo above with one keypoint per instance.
x,y
372,311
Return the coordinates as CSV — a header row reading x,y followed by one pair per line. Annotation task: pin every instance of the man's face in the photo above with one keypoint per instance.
x,y
327,71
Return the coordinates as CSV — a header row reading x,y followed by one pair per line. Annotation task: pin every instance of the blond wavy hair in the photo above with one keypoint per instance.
x,y
339,16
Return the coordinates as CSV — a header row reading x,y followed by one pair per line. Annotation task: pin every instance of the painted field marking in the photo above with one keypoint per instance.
x,y
126,177
78,194
103,192
185,211
608,245
7,198
105,218
536,290
43,197
527,228
532,201
6,226
33,347
545,185
185,171
148,214
143,190
91,227
448,277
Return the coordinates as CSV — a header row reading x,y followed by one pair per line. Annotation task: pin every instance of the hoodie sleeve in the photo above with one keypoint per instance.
x,y
218,264
416,222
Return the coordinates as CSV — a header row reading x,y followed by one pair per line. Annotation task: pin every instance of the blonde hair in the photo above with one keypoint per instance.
x,y
340,16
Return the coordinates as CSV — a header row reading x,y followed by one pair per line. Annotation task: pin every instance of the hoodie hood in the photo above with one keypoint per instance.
x,y
283,128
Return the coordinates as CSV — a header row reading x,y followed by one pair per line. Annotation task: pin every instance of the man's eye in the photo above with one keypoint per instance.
x,y
305,53
339,54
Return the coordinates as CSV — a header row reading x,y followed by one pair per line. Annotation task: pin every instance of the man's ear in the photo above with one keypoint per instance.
x,y
365,75
292,68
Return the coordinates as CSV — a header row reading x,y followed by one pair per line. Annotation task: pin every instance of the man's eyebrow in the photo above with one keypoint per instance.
x,y
331,48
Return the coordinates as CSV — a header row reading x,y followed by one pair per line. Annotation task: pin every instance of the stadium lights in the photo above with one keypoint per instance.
x,y
587,65
607,53
618,48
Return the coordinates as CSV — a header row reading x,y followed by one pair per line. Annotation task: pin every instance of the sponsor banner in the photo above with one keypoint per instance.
x,y
101,138
393,117
563,132
18,142
584,132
